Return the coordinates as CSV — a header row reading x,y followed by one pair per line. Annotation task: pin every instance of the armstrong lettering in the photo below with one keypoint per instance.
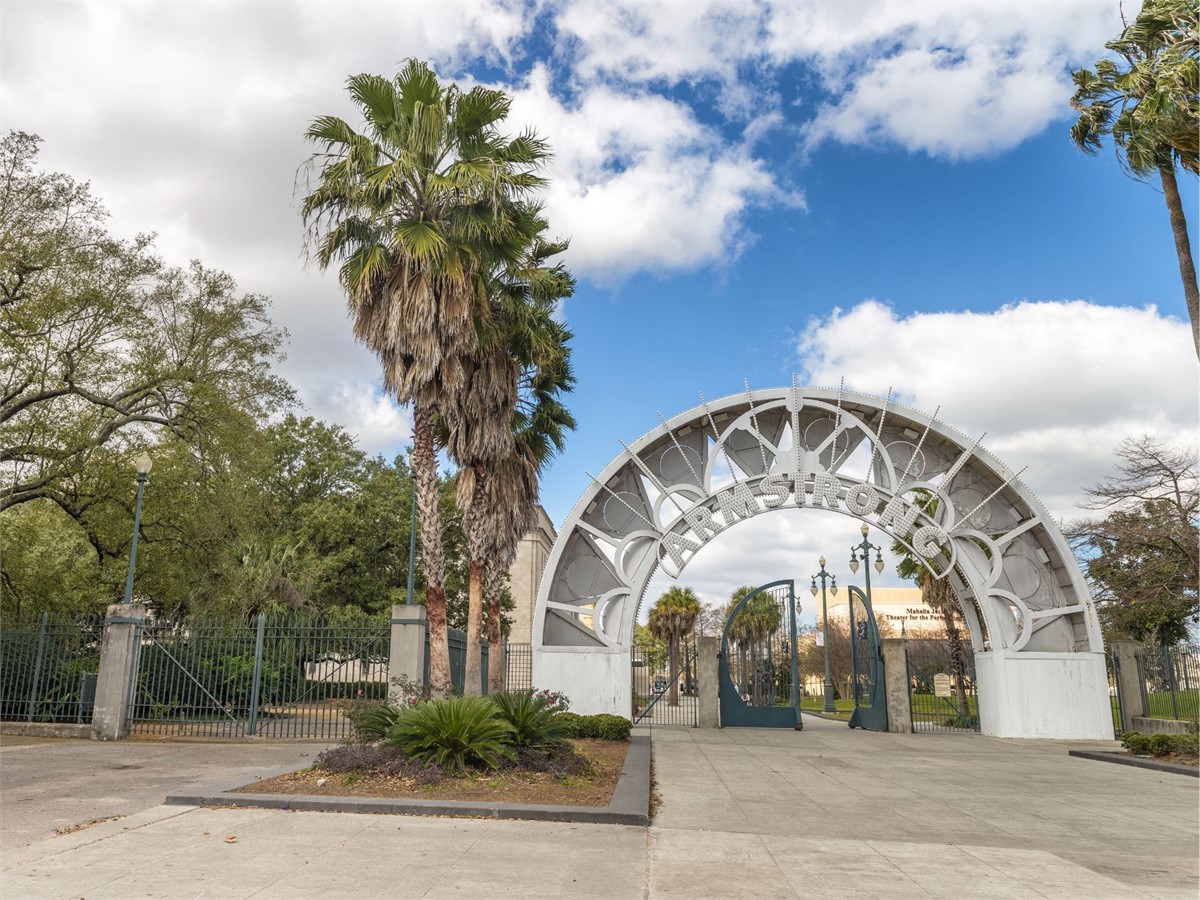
x,y
821,490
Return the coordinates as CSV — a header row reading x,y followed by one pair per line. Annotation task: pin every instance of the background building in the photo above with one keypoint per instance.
x,y
525,576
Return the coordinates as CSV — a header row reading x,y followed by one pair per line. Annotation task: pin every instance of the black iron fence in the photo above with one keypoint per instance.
x,y
458,660
518,667
1170,681
941,685
48,667
662,693
290,676
1114,689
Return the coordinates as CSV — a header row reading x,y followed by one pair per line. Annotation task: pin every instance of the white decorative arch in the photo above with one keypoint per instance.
x,y
1039,653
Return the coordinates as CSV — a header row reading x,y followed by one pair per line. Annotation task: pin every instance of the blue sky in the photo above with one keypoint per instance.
x,y
879,191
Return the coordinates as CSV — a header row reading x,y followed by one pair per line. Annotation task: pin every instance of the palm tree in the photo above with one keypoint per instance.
x,y
671,618
938,595
522,346
757,621
414,209
1150,108
508,508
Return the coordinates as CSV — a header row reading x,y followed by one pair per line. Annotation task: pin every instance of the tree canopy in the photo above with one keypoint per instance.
x,y
1141,553
105,351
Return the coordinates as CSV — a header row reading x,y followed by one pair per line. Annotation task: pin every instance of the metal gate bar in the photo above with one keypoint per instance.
x,y
941,690
648,703
48,667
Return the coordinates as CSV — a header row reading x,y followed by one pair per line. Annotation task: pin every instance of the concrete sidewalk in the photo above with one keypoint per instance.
x,y
833,813
826,812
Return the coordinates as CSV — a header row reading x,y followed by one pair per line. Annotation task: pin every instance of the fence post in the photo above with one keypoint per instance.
x,y
1169,673
1129,682
37,665
708,682
895,679
406,655
118,670
256,682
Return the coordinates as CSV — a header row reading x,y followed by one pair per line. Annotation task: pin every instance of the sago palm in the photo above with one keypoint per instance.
x,y
413,210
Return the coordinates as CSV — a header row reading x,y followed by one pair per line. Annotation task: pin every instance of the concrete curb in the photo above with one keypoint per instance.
x,y
630,804
1123,760
47,729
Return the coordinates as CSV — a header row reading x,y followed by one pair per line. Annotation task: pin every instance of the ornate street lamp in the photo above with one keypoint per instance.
x,y
829,707
862,553
143,465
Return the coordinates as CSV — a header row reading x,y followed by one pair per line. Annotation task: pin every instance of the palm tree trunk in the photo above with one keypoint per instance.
x,y
476,552
433,557
1183,249
492,584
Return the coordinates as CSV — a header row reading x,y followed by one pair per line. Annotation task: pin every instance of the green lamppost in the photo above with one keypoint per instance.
x,y
829,707
142,464
862,553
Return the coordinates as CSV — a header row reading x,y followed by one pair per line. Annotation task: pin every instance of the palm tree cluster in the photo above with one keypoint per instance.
x,y
673,616
428,212
751,631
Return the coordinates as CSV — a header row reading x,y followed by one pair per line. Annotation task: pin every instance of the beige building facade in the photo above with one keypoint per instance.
x,y
525,576
900,607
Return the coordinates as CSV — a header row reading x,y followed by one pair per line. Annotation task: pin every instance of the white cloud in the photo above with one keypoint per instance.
x,y
673,42
940,76
380,425
946,78
1056,385
638,183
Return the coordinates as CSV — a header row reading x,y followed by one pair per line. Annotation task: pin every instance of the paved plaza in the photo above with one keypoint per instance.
x,y
745,813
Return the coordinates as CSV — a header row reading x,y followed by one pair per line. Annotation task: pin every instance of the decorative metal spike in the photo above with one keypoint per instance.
x,y
920,444
962,461
988,499
717,437
878,435
620,499
757,431
679,447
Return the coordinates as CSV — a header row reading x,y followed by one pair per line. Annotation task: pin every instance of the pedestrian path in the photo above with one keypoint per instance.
x,y
827,812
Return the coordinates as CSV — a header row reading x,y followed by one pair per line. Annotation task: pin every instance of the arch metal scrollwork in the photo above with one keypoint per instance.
x,y
669,493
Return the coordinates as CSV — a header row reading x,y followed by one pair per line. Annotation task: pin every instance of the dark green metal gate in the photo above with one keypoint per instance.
x,y
759,665
281,677
866,666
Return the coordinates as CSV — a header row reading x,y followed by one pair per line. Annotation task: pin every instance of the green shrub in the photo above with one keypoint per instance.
x,y
604,726
1162,744
453,732
533,718
1136,743
1188,744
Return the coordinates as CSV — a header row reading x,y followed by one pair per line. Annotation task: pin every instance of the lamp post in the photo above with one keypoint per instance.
x,y
862,553
142,464
829,707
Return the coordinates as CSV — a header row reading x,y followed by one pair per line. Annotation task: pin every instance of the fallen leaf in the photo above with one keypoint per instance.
x,y
231,840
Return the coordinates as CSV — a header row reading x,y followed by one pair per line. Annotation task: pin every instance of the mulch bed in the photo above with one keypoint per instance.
x,y
511,786
1175,758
